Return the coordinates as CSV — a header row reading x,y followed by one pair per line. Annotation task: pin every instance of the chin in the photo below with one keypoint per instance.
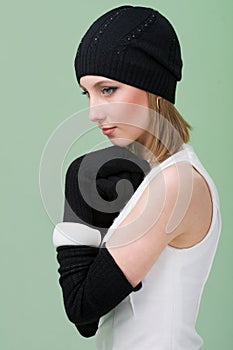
x,y
120,142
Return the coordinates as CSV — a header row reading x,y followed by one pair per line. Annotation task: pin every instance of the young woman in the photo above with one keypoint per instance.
x,y
133,274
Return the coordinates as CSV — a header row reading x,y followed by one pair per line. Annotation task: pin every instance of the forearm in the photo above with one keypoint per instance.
x,y
91,288
89,329
65,235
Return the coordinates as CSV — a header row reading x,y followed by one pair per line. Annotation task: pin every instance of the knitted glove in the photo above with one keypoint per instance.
x,y
91,197
78,263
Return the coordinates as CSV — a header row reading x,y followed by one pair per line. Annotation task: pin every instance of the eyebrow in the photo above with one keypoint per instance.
x,y
99,83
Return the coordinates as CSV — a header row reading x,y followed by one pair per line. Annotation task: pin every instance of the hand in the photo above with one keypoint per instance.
x,y
95,192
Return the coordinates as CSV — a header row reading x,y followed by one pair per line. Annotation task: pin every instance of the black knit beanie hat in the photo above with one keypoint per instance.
x,y
134,45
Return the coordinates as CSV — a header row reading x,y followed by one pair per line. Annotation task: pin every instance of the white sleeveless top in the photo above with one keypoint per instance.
x,y
163,313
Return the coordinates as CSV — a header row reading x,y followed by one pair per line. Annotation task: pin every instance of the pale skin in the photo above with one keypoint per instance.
x,y
152,224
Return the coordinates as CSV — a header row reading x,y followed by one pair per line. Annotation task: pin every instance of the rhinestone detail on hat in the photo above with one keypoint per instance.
x,y
104,27
137,32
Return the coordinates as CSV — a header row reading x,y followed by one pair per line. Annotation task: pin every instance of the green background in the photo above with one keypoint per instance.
x,y
39,91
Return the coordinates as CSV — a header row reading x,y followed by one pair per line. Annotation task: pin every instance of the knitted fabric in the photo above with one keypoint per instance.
x,y
137,46
82,267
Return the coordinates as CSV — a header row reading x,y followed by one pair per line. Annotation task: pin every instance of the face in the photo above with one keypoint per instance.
x,y
120,110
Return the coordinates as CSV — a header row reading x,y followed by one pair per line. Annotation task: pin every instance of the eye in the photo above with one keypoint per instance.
x,y
107,91
85,93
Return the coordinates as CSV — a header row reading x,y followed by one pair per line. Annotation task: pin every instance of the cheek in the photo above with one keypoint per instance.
x,y
130,113
138,117
139,110
136,96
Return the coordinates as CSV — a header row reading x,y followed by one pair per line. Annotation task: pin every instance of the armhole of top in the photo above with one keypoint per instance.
x,y
214,216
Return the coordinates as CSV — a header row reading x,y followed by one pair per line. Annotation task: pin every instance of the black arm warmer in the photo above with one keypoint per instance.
x,y
82,258
91,288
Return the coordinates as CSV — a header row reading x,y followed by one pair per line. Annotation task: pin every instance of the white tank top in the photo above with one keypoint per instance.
x,y
163,313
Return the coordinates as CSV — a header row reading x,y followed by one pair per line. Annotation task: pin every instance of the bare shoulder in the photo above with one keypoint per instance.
x,y
199,213
170,211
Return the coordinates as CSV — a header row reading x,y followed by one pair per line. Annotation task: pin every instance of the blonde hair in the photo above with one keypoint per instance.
x,y
169,129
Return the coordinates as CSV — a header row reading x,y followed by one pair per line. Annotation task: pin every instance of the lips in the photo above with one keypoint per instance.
x,y
108,130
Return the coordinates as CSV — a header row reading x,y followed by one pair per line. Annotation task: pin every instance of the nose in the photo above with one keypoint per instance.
x,y
96,112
